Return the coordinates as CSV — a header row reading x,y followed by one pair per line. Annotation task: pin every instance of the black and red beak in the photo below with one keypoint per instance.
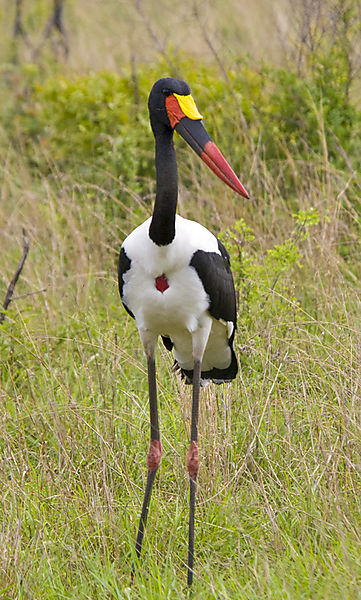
x,y
195,134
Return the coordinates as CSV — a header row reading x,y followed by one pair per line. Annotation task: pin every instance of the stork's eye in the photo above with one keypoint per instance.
x,y
166,92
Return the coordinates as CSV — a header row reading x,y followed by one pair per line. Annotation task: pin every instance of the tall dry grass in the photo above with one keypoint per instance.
x,y
278,513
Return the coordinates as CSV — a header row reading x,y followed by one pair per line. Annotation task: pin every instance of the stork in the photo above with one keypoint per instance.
x,y
175,281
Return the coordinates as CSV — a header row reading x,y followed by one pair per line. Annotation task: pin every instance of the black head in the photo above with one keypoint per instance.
x,y
160,91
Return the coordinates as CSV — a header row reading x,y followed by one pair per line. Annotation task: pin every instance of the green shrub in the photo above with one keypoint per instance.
x,y
94,120
265,283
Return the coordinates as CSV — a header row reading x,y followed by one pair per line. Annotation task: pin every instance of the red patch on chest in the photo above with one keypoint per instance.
x,y
161,283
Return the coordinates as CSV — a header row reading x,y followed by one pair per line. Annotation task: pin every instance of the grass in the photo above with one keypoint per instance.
x,y
278,507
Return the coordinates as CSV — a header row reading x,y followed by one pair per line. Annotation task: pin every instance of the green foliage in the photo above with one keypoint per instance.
x,y
304,220
94,120
307,218
265,282
100,121
304,114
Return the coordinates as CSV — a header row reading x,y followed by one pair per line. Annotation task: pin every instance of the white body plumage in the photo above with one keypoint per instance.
x,y
183,308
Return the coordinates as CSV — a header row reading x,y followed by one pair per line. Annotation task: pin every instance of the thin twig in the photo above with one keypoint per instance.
x,y
42,291
18,21
55,21
12,284
18,28
135,86
222,67
153,35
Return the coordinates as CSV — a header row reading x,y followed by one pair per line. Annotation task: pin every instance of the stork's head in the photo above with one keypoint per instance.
x,y
171,105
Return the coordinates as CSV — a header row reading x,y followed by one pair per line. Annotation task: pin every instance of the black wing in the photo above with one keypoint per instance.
x,y
123,266
215,273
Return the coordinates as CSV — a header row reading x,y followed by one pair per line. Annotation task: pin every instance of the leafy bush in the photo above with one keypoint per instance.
x,y
101,119
94,120
265,282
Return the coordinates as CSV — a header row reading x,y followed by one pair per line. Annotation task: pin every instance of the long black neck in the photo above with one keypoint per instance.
x,y
162,227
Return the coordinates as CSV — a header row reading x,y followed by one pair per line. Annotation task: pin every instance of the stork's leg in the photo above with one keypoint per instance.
x,y
200,339
192,464
155,448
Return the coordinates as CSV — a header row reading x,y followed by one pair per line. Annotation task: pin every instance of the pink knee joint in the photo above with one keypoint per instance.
x,y
193,460
154,454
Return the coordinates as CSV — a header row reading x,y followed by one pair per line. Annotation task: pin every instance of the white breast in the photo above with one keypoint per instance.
x,y
182,305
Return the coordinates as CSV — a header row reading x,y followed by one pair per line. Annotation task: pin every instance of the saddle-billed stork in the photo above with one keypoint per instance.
x,y
175,280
